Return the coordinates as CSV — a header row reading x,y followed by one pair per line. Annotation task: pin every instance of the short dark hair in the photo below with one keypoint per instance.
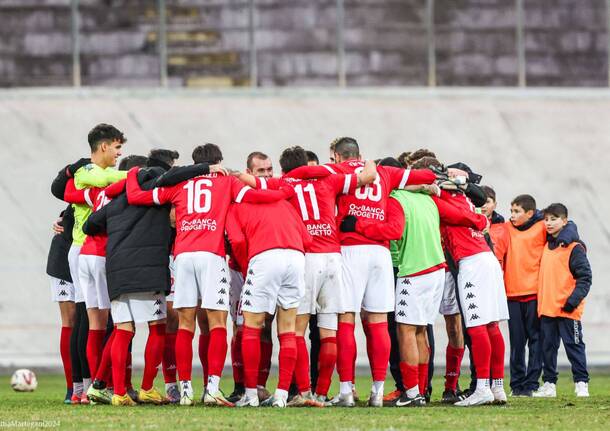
x,y
389,161
557,209
132,161
207,153
418,154
312,157
291,158
166,156
489,193
104,133
527,202
347,147
426,162
255,155
403,158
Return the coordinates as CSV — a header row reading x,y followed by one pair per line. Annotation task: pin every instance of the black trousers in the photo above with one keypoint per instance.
x,y
554,330
524,329
314,351
78,344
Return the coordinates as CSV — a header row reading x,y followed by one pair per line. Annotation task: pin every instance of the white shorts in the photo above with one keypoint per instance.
x,y
418,298
201,275
172,275
275,278
368,279
73,255
237,283
323,284
61,290
449,304
139,307
92,278
481,288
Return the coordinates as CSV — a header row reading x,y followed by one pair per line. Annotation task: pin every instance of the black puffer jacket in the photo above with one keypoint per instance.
x,y
139,238
57,261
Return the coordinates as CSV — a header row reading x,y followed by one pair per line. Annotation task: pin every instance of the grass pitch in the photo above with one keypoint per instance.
x,y
44,409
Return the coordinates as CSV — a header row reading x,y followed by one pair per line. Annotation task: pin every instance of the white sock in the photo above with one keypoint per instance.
x,y
413,392
168,386
86,384
377,387
482,384
77,388
251,392
281,393
345,388
497,383
213,382
186,385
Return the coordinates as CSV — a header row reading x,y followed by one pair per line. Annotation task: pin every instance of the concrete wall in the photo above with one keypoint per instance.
x,y
552,144
385,42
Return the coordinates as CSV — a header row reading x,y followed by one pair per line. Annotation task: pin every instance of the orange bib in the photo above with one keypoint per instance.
x,y
556,283
522,263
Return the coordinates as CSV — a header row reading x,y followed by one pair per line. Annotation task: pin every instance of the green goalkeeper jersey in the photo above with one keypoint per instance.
x,y
420,247
90,175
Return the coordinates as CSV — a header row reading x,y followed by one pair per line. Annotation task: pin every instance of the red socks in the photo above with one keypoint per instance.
x,y
497,350
217,351
346,351
287,359
128,371
423,378
251,343
64,350
409,373
453,357
119,352
153,354
481,350
184,353
266,350
204,344
301,370
95,341
169,358
379,350
105,368
326,364
236,357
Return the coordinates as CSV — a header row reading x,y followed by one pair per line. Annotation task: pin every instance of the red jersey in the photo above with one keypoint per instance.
x,y
255,229
370,202
462,241
95,245
315,201
201,205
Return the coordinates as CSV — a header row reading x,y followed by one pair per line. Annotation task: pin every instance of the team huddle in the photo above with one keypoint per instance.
x,y
396,241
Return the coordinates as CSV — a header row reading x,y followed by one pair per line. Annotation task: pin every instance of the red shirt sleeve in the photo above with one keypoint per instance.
x,y
400,178
309,172
72,195
343,184
237,239
241,193
390,229
137,196
115,189
454,216
268,183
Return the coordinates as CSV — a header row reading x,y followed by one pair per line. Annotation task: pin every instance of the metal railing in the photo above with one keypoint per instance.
x,y
340,45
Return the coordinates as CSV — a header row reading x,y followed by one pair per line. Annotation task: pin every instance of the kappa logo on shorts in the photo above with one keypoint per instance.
x,y
223,280
401,313
404,292
158,302
222,270
249,282
472,306
470,295
222,291
474,317
247,302
468,285
220,302
406,281
62,283
158,312
250,272
63,293
247,293
402,302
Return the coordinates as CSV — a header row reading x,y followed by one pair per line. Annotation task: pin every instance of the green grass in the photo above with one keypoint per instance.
x,y
564,412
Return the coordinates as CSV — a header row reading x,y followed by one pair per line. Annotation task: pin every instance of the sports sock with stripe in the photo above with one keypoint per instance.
x,y
453,357
301,370
251,343
497,350
379,351
266,349
346,353
169,358
422,378
326,364
217,353
104,368
236,358
287,359
153,354
184,354
481,351
119,353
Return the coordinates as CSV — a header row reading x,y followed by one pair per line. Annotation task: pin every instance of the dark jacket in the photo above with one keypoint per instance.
x,y
579,264
139,238
57,260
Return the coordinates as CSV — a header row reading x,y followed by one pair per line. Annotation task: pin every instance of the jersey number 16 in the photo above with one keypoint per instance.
x,y
199,199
